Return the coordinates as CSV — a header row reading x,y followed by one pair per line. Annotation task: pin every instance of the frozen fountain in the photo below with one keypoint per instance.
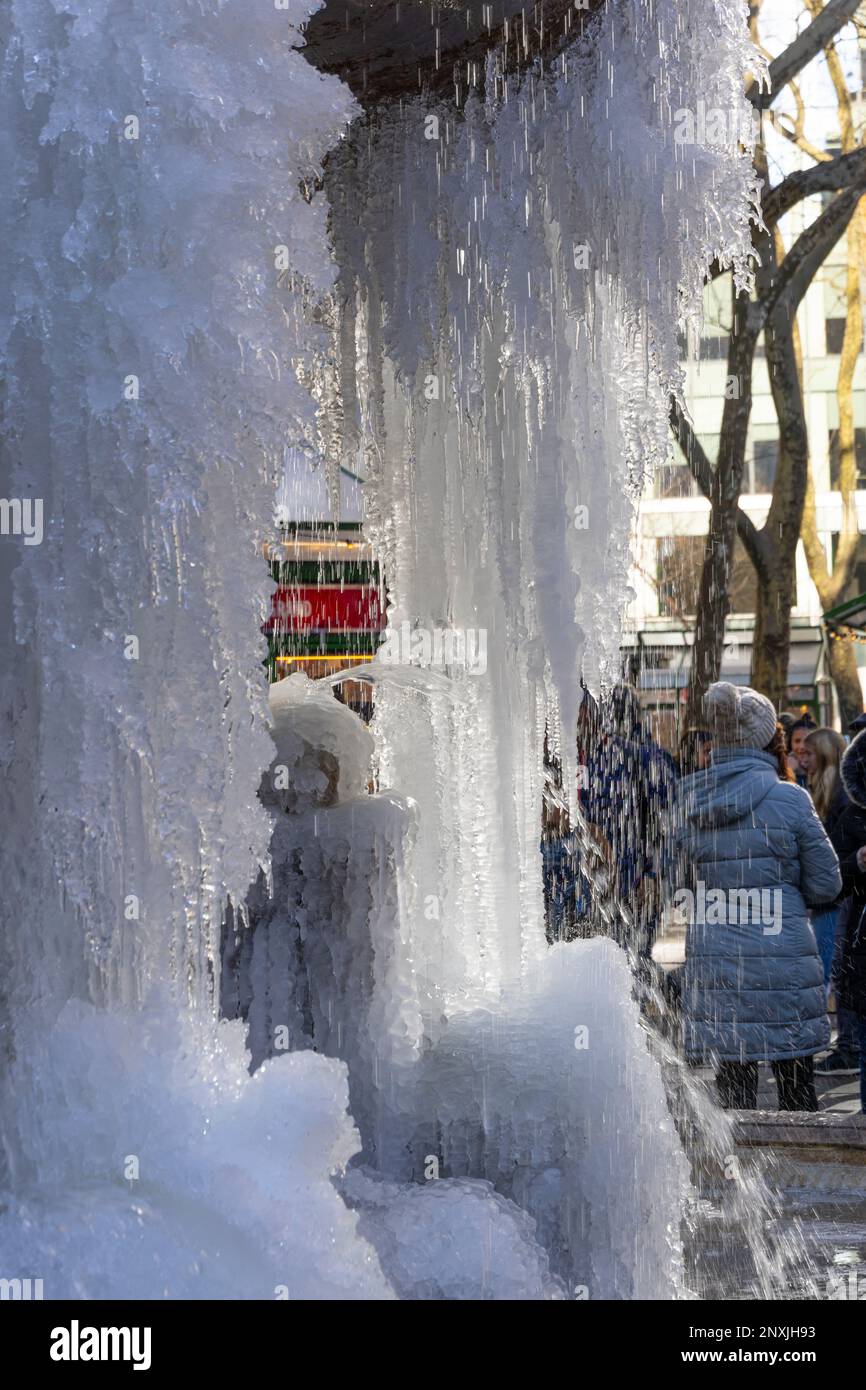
x,y
495,337
507,321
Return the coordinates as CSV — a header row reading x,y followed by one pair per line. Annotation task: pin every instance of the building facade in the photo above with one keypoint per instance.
x,y
672,519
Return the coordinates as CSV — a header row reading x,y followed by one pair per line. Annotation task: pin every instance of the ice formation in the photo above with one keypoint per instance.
x,y
156,150
168,1172
317,957
453,1238
509,294
517,301
512,312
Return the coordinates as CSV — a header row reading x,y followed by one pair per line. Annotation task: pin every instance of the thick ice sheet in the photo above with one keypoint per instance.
x,y
154,346
166,1171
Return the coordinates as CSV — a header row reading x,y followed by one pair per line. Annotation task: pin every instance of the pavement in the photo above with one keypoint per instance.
x,y
837,1095
833,1135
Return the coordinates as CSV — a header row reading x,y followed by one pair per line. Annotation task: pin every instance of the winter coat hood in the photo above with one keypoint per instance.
x,y
734,786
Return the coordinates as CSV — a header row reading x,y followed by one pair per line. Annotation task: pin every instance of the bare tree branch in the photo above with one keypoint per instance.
x,y
781,280
810,250
693,450
827,177
702,471
797,132
777,118
804,48
847,135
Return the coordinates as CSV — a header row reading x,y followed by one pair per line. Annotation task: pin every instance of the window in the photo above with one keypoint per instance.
x,y
765,456
744,582
678,575
759,472
834,149
674,480
714,348
680,561
857,585
835,329
859,454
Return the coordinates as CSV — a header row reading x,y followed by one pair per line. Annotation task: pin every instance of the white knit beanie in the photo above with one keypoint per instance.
x,y
738,716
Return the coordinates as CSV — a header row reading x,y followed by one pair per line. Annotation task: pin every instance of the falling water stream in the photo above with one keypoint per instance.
x,y
481,309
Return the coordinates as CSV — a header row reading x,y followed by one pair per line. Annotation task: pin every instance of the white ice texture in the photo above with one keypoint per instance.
x,y
169,1172
157,366
513,310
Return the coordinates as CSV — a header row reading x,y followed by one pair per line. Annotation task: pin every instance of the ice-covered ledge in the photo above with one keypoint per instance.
x,y
387,49
834,1137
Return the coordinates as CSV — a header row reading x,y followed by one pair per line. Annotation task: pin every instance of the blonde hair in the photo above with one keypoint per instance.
x,y
828,747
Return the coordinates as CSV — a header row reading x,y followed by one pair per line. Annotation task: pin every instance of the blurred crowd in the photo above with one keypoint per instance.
x,y
750,848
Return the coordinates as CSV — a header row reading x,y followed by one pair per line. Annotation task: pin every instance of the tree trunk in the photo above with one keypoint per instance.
x,y
772,637
785,517
842,661
780,282
727,481
713,607
781,531
841,656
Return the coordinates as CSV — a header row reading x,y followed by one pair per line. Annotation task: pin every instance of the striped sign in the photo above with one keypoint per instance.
x,y
329,603
329,608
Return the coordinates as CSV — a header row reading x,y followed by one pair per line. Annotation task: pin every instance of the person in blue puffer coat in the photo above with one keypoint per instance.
x,y
750,859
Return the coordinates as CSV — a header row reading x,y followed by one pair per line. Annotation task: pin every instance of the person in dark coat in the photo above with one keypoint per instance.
x,y
849,839
821,757
567,892
631,781
752,858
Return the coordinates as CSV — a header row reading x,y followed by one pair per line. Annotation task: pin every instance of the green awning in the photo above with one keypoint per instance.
x,y
850,614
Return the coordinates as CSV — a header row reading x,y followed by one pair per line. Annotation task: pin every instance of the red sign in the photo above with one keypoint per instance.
x,y
322,608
